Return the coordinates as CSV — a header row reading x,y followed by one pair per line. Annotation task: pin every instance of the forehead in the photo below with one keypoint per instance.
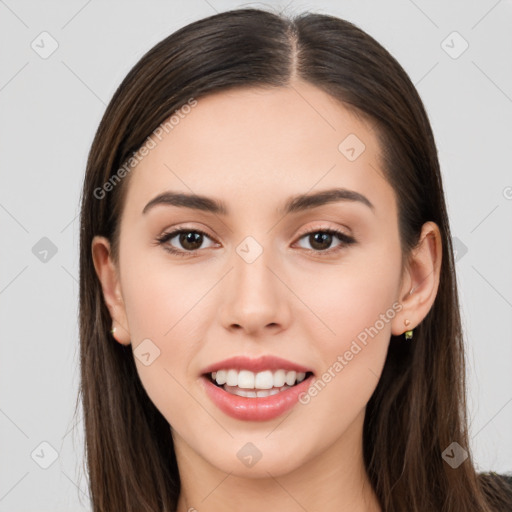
x,y
265,143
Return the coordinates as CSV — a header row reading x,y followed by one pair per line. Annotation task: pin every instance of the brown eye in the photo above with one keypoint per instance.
x,y
190,240
321,240
188,244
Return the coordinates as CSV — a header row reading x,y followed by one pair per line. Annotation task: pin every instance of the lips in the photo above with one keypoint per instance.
x,y
238,394
267,379
256,365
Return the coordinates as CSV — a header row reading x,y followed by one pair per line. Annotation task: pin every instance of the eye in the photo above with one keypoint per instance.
x,y
190,239
321,240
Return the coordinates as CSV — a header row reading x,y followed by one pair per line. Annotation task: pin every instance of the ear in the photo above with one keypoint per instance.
x,y
109,278
420,280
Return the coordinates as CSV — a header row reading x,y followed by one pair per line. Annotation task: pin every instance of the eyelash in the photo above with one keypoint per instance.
x,y
342,237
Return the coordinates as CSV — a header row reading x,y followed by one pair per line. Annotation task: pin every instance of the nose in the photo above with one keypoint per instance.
x,y
256,298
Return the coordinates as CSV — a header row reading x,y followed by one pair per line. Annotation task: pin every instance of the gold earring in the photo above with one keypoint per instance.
x,y
408,334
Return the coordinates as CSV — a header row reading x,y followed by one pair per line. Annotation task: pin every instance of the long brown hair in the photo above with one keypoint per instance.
x,y
419,407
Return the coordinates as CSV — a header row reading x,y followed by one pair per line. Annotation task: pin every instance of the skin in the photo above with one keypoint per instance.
x,y
253,148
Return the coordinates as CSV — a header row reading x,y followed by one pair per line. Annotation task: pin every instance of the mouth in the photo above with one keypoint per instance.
x,y
259,389
248,384
255,389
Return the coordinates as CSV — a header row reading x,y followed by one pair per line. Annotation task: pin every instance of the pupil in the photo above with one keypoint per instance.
x,y
192,238
320,238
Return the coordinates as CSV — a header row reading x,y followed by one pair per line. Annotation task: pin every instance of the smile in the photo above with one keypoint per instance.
x,y
258,389
256,385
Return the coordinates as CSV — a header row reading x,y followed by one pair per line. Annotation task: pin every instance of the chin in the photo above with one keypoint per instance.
x,y
258,458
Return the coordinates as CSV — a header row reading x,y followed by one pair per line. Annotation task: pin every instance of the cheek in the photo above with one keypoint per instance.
x,y
348,299
353,354
163,304
356,305
161,297
352,362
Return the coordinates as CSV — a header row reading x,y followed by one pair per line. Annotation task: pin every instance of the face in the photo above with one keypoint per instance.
x,y
316,284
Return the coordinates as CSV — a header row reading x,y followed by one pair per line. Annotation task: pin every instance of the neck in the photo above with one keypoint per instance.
x,y
333,481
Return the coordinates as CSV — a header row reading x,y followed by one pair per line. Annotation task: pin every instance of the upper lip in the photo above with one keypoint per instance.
x,y
258,364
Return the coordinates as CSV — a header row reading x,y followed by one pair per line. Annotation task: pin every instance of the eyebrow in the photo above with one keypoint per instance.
x,y
294,204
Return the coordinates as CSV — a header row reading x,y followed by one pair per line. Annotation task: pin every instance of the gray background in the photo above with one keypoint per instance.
x,y
50,108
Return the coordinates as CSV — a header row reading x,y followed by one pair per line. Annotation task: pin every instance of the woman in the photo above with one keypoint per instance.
x,y
268,302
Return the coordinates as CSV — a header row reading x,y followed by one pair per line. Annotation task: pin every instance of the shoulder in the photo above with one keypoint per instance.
x,y
505,478
491,475
497,490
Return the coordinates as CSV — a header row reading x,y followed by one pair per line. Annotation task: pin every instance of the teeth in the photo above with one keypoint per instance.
x,y
219,377
245,379
279,378
267,392
262,381
232,378
290,378
253,394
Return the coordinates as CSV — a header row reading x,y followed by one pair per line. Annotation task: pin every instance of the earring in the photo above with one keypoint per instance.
x,y
113,330
408,334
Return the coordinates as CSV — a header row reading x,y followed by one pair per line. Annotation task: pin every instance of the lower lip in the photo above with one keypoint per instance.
x,y
255,409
